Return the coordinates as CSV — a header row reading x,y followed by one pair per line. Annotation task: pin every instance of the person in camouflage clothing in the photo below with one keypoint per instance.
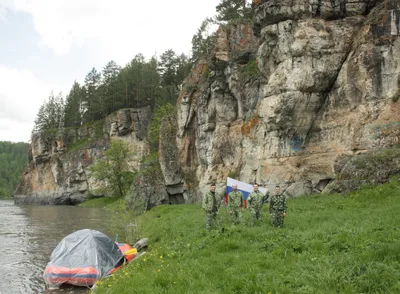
x,y
277,208
255,202
235,204
210,205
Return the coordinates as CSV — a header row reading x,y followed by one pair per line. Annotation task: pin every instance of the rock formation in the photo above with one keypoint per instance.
x,y
59,172
285,99
305,96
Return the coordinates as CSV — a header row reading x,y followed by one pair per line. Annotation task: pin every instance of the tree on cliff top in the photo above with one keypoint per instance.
x,y
50,115
203,42
72,110
114,170
229,10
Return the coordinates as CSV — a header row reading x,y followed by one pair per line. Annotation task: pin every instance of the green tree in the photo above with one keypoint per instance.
x,y
72,110
203,41
168,67
110,86
93,106
140,83
151,80
231,10
13,159
50,114
173,69
183,69
114,169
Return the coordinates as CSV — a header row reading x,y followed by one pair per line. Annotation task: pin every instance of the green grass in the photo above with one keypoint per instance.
x,y
98,133
111,203
330,244
79,144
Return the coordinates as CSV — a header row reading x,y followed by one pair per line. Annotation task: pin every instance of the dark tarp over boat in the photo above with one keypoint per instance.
x,y
82,258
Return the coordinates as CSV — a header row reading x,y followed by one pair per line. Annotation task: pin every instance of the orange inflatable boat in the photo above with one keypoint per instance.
x,y
84,257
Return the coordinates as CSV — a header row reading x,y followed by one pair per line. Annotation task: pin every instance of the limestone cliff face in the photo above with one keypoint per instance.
x,y
59,170
287,99
307,96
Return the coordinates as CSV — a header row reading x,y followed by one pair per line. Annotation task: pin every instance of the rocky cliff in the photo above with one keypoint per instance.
x,y
294,98
305,96
59,169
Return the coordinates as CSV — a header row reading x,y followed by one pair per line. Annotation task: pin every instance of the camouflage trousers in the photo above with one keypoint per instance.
x,y
212,219
255,214
236,215
277,218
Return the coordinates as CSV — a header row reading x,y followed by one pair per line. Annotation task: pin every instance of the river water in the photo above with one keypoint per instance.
x,y
28,235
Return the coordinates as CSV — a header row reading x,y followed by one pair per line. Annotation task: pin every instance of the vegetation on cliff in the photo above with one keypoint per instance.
x,y
336,243
114,170
232,10
142,82
13,158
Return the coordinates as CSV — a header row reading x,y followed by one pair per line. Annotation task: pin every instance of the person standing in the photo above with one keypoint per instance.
x,y
235,204
210,206
255,203
277,208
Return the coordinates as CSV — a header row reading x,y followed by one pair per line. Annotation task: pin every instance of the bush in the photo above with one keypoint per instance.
x,y
155,124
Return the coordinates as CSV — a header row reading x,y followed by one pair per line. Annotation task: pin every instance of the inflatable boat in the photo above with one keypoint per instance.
x,y
84,257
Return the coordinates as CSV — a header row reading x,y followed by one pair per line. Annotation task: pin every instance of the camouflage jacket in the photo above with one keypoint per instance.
x,y
255,200
277,203
235,199
210,202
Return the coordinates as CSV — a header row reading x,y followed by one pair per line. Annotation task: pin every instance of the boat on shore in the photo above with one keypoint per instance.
x,y
86,256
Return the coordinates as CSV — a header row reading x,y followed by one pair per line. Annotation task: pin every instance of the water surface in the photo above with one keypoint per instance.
x,y
28,235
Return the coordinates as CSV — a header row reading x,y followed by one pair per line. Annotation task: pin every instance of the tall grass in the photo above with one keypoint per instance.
x,y
330,244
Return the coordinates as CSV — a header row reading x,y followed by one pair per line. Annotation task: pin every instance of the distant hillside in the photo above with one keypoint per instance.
x,y
13,158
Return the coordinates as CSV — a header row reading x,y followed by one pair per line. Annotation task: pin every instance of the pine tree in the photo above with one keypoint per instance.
x,y
231,10
151,79
41,119
203,41
50,115
168,67
110,86
92,102
184,66
72,112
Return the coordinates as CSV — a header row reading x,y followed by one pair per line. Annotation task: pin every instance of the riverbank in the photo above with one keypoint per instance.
x,y
330,243
110,203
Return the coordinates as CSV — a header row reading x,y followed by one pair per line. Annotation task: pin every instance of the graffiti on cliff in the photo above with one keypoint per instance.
x,y
296,143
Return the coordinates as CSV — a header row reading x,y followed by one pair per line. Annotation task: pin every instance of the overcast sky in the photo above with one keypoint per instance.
x,y
47,44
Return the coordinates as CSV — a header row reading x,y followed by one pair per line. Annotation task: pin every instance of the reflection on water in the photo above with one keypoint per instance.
x,y
28,235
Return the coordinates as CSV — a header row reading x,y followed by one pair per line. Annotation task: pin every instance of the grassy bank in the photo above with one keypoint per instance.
x,y
330,244
111,203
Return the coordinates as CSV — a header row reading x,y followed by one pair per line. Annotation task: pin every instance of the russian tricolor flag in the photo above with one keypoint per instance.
x,y
245,188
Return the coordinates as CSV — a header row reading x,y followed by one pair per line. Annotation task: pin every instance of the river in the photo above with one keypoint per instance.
x,y
28,235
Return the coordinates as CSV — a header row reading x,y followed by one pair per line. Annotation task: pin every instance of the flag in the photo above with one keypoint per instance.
x,y
245,188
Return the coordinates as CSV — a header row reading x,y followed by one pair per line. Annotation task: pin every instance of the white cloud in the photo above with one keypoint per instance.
x,y
21,94
108,29
5,6
123,27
